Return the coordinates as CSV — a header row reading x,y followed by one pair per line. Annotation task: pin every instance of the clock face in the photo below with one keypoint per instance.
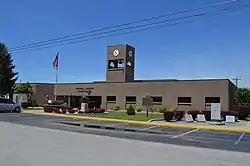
x,y
116,52
129,64
130,53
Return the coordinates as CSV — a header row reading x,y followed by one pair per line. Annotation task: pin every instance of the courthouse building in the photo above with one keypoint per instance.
x,y
120,88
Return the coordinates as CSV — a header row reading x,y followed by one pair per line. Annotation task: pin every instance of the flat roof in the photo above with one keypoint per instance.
x,y
138,81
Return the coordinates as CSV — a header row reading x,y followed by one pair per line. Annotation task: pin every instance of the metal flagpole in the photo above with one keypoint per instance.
x,y
56,83
56,67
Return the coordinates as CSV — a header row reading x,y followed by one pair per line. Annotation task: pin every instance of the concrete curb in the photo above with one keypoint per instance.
x,y
238,130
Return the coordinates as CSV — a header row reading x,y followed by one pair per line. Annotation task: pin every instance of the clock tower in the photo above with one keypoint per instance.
x,y
120,63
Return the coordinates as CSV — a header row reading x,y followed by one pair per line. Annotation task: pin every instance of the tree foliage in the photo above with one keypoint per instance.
x,y
24,88
7,75
243,96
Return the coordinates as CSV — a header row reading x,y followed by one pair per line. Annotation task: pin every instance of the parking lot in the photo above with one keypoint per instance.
x,y
187,137
232,138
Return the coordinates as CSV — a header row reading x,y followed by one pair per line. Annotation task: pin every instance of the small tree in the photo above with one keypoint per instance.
x,y
25,88
131,110
243,96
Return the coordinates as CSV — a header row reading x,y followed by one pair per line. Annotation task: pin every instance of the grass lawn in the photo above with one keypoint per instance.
x,y
124,116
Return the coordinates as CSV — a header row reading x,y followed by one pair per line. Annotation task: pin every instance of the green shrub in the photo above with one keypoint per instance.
x,y
153,109
116,107
163,109
174,109
131,110
139,109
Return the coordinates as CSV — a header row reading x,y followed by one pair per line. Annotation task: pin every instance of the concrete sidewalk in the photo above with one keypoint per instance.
x,y
241,126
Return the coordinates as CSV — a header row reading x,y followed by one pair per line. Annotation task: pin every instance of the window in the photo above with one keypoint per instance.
x,y
184,100
2,100
210,100
9,101
6,101
130,99
157,99
111,98
116,64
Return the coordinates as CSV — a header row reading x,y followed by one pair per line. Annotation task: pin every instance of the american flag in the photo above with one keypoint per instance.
x,y
55,62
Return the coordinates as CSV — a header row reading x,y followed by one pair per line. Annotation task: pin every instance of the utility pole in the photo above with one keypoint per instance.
x,y
236,79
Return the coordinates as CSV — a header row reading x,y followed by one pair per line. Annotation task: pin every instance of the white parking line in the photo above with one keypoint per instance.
x,y
150,127
185,133
240,138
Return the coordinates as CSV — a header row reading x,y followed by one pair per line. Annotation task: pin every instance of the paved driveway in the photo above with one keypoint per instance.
x,y
23,145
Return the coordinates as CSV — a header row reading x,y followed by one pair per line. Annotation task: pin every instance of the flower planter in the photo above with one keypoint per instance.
x,y
193,113
224,114
178,115
65,109
244,114
48,109
71,110
95,110
60,109
168,115
207,115
243,111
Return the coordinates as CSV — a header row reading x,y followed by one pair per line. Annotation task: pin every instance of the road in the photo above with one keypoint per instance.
x,y
23,145
28,140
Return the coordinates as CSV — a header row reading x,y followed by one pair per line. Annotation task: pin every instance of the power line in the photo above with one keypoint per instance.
x,y
95,38
101,37
133,22
112,31
133,27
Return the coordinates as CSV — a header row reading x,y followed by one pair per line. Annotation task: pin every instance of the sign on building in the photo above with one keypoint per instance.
x,y
147,101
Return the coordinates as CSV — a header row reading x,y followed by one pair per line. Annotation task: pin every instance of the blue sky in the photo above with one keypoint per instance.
x,y
213,46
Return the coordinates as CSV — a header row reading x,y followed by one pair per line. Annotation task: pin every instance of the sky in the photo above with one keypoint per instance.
x,y
213,46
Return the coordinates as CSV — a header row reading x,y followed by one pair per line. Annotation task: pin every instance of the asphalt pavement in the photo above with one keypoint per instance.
x,y
186,137
24,145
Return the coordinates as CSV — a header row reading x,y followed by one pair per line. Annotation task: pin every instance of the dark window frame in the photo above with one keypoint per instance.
x,y
157,97
184,100
132,99
209,100
113,99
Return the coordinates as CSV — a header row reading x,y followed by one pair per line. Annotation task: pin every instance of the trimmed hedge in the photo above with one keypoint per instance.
x,y
131,110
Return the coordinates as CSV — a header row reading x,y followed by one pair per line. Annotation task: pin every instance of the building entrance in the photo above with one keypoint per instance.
x,y
95,101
